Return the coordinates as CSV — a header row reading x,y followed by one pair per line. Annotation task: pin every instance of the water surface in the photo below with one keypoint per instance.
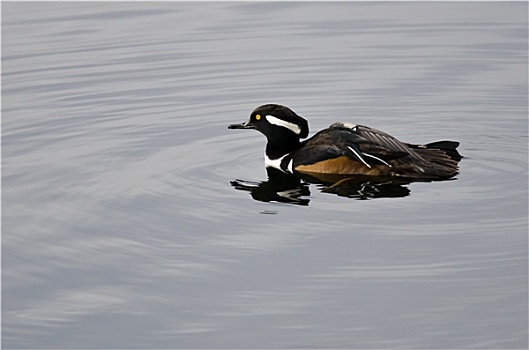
x,y
122,222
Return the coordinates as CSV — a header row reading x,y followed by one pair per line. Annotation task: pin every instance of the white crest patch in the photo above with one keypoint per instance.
x,y
279,122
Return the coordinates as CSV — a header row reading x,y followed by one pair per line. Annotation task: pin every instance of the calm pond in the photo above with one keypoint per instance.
x,y
133,218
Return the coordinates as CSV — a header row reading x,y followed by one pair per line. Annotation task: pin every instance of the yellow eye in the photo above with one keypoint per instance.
x,y
257,117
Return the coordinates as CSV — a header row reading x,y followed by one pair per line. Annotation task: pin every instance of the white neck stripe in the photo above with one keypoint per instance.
x,y
276,163
279,122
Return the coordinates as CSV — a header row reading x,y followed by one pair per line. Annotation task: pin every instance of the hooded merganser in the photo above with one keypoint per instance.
x,y
346,149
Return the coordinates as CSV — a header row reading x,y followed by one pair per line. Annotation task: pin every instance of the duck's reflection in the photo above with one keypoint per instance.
x,y
287,188
280,187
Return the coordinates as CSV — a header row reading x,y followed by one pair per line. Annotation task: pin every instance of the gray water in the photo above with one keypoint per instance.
x,y
130,213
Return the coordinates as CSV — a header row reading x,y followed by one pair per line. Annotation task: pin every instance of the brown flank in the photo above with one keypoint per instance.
x,y
342,165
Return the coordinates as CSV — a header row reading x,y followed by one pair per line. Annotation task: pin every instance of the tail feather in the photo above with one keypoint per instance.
x,y
449,147
441,159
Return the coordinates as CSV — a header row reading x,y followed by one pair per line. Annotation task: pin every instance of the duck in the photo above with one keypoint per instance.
x,y
346,149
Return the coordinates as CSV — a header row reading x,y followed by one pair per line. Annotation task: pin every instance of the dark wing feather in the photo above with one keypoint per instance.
x,y
433,160
336,141
375,146
384,140
314,153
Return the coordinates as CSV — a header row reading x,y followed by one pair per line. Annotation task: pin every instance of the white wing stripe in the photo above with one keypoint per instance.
x,y
380,160
359,157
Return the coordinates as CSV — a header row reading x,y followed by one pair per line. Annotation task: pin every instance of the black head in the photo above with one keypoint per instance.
x,y
275,121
